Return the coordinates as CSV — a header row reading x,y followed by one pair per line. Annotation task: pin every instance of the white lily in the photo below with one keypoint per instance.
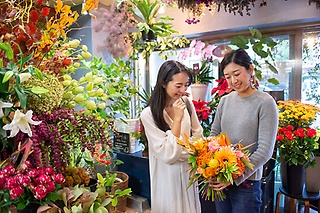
x,y
24,77
4,105
21,122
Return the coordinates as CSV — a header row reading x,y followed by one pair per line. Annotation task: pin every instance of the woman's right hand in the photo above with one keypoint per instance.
x,y
178,108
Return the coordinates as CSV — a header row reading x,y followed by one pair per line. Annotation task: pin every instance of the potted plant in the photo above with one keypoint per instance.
x,y
201,70
295,141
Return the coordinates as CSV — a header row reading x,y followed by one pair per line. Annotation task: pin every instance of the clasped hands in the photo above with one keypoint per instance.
x,y
216,185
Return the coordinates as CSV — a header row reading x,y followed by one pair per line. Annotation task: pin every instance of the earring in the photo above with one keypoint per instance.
x,y
253,82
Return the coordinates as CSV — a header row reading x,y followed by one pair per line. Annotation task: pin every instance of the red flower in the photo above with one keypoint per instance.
x,y
279,137
15,192
222,88
299,132
290,127
59,178
49,170
11,183
40,2
311,132
34,16
23,180
40,192
45,11
50,186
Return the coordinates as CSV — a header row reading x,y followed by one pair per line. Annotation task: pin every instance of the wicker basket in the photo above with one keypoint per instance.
x,y
123,184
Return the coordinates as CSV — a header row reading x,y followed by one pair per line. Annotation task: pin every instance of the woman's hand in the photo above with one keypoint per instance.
x,y
178,109
216,185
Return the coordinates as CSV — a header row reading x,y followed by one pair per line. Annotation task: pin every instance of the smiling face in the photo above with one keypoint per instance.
x,y
177,86
238,78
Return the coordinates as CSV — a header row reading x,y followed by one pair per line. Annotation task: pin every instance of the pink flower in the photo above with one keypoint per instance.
x,y
58,178
50,186
2,182
43,179
33,173
15,192
9,170
23,180
40,192
26,165
11,183
49,170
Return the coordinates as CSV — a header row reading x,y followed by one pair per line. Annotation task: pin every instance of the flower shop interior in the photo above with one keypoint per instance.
x,y
76,74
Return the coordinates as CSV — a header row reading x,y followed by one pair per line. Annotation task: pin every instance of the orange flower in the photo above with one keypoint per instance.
x,y
224,156
223,140
209,172
240,165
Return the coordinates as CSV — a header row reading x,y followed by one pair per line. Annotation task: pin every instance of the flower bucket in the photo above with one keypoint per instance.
x,y
199,91
292,178
313,177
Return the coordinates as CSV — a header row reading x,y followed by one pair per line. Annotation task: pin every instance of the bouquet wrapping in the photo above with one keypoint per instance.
x,y
214,158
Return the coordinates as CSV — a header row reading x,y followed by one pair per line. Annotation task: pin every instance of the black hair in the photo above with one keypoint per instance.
x,y
239,57
157,100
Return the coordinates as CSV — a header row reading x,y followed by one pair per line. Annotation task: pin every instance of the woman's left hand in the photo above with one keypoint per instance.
x,y
217,186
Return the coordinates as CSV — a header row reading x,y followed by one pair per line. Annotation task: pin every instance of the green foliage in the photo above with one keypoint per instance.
x,y
262,47
11,72
203,77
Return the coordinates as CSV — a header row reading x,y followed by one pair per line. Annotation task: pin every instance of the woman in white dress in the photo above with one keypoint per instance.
x,y
167,117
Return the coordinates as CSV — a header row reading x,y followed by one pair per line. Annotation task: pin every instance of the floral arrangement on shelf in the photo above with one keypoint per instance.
x,y
214,158
201,71
24,185
296,139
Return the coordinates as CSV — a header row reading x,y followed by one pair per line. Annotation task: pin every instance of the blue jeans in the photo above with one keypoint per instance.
x,y
245,198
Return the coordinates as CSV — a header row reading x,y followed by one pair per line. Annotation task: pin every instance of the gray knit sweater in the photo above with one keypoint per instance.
x,y
252,119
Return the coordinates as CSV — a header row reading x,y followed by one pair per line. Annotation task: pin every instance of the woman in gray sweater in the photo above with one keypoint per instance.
x,y
250,116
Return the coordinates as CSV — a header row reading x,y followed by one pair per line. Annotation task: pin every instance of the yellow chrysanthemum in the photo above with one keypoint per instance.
x,y
213,163
225,155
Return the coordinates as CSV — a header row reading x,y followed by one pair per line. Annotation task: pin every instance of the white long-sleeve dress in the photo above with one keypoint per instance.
x,y
168,164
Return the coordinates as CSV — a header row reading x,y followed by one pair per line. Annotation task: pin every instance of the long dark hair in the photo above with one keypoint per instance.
x,y
239,57
157,100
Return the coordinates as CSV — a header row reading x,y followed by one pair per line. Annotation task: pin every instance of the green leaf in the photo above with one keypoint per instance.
x,y
38,73
271,67
22,98
240,41
273,81
7,76
39,90
255,33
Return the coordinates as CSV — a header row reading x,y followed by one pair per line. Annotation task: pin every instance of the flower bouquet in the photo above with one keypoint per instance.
x,y
213,158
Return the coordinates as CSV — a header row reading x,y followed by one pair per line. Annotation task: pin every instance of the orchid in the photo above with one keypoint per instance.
x,y
4,105
21,122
